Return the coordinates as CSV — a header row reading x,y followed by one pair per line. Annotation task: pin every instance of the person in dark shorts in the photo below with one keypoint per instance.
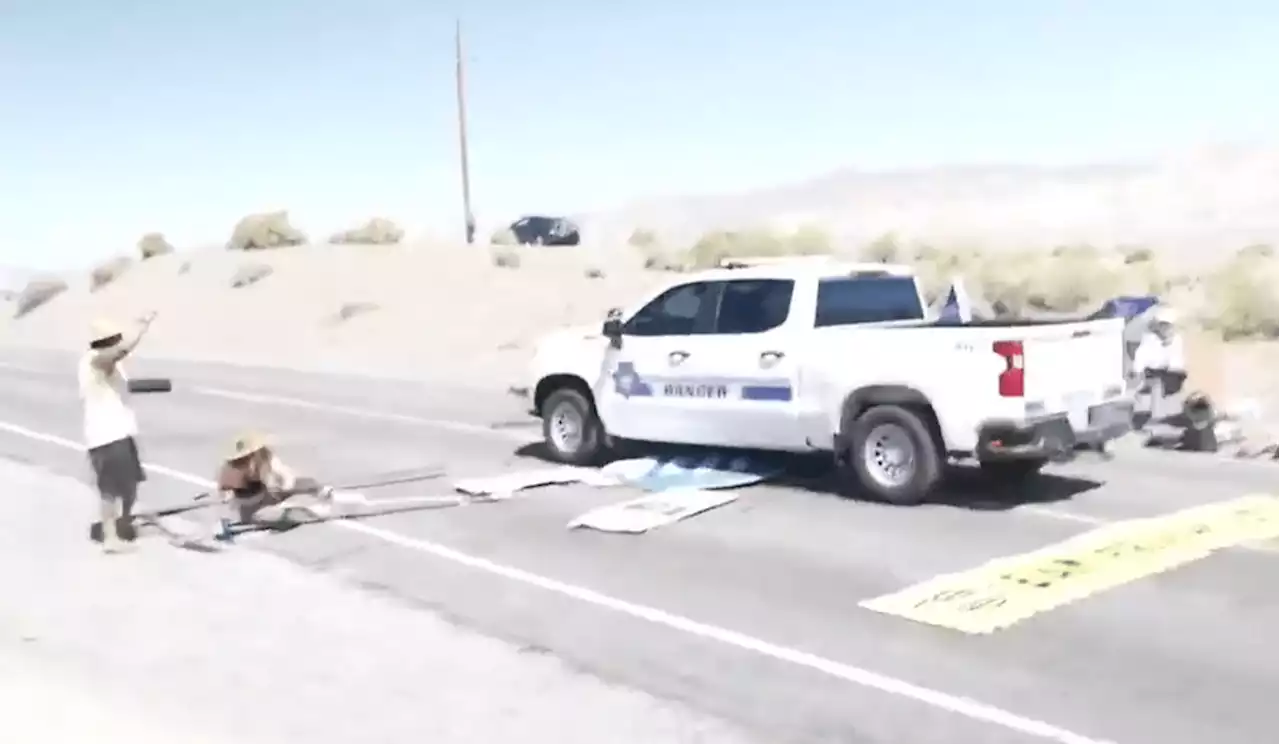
x,y
259,488
110,426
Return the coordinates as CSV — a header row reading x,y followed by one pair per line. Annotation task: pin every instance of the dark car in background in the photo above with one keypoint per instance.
x,y
538,230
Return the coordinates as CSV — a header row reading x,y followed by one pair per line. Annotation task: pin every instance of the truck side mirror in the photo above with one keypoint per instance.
x,y
612,330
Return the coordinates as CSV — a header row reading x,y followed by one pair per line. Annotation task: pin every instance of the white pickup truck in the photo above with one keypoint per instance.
x,y
821,356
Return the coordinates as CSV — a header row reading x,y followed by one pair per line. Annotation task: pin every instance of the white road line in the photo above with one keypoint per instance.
x,y
1065,516
955,704
280,400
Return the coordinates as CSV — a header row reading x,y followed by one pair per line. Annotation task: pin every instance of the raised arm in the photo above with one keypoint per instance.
x,y
107,359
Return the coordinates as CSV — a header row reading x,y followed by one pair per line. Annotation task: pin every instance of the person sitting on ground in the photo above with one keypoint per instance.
x,y
257,486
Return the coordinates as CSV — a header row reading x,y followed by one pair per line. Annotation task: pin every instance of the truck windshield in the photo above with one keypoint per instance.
x,y
853,300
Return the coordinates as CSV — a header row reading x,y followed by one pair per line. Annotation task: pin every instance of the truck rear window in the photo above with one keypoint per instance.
x,y
853,300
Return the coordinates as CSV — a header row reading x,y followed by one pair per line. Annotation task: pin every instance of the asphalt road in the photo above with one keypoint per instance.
x,y
749,613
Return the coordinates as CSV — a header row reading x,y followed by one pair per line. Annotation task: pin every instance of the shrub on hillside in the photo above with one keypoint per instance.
x,y
642,238
265,230
250,274
505,236
505,257
655,256
350,310
1006,280
377,231
1243,298
1138,255
1257,250
1079,251
36,293
105,273
153,244
1073,282
656,259
884,249
714,247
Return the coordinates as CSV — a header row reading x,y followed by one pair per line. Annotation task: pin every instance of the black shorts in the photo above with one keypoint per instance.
x,y
117,467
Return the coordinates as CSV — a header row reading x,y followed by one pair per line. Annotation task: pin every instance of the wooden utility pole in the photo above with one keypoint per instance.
x,y
469,222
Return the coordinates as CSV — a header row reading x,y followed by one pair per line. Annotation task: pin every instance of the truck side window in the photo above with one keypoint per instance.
x,y
754,305
675,312
853,300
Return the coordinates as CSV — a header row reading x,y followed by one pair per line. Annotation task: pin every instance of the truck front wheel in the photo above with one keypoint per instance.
x,y
893,455
571,429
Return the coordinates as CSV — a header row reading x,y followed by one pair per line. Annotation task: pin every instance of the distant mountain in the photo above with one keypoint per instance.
x,y
1196,204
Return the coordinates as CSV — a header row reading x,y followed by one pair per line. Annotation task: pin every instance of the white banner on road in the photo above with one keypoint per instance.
x,y
656,510
503,486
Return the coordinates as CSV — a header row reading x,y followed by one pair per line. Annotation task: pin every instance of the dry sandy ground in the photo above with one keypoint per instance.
x,y
444,312
165,645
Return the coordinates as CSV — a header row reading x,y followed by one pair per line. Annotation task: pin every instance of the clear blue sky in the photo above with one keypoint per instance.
x,y
121,116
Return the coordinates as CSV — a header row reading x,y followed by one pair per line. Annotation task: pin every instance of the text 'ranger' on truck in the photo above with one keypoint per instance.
x,y
809,356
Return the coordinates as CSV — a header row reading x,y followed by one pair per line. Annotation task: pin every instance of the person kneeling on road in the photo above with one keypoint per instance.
x,y
257,487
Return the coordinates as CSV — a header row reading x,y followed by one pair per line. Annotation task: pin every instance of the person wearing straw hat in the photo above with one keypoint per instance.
x,y
110,426
259,487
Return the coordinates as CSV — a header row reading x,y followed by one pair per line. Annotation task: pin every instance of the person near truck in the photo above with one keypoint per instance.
x,y
1160,366
111,427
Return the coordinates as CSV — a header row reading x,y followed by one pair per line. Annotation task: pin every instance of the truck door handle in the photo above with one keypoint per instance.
x,y
676,357
771,356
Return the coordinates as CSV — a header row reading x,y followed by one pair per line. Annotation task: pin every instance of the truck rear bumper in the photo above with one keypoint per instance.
x,y
1052,437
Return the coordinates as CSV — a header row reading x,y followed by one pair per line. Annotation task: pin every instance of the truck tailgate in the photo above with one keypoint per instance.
x,y
1072,366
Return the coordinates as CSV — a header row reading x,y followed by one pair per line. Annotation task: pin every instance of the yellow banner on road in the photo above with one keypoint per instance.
x,y
1008,590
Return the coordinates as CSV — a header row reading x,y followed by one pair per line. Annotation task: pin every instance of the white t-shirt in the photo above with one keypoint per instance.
x,y
107,415
1156,353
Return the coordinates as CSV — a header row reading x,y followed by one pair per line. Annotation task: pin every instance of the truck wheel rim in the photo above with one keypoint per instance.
x,y
566,428
889,455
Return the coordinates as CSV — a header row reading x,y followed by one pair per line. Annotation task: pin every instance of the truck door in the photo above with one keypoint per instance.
x,y
749,359
636,392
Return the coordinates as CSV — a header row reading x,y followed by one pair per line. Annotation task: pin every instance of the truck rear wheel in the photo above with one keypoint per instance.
x,y
571,429
893,455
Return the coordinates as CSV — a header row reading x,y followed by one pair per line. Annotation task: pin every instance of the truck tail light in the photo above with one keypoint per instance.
x,y
1012,379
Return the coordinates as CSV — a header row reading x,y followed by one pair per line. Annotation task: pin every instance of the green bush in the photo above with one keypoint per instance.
x,y
505,257
106,273
504,236
153,244
250,274
36,293
642,238
377,231
1242,298
263,231
714,247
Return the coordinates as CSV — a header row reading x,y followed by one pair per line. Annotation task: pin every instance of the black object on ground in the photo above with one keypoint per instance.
x,y
1199,434
151,385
